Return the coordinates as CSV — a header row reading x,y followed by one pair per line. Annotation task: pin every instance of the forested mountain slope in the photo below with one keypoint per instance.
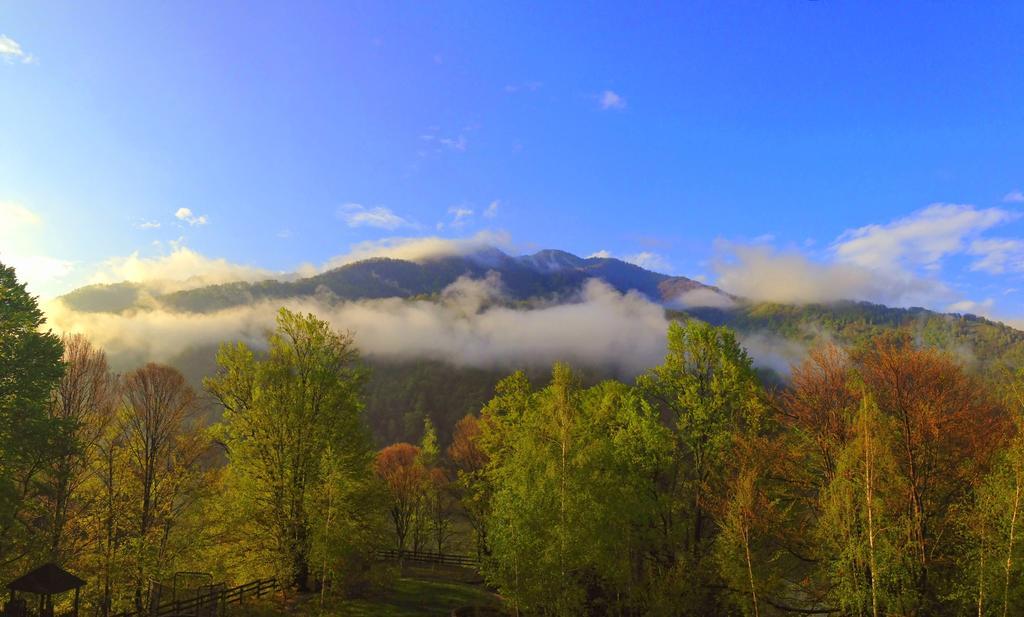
x,y
546,274
403,391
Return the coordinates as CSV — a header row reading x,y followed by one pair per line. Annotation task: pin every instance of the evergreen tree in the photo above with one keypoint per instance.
x,y
30,367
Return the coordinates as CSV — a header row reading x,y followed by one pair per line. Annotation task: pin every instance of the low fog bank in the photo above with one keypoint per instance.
x,y
468,326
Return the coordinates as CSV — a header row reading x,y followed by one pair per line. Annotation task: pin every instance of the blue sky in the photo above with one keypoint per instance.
x,y
743,144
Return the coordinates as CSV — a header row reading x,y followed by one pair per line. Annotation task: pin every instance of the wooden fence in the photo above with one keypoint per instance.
x,y
464,561
209,604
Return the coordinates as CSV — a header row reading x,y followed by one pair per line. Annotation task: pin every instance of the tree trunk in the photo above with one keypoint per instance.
x,y
750,569
981,580
868,497
1009,544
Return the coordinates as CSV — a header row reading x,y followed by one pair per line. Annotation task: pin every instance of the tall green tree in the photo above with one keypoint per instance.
x,y
572,476
282,412
30,366
707,392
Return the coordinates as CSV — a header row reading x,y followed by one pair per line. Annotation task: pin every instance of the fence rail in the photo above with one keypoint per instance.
x,y
208,604
426,557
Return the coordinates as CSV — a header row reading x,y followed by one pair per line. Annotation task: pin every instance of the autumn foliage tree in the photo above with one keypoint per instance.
x,y
400,469
163,442
83,405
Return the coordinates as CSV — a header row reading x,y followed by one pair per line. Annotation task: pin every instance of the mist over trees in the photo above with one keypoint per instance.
x,y
883,478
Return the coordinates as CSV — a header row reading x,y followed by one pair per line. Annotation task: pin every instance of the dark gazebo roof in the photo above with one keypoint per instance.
x,y
46,579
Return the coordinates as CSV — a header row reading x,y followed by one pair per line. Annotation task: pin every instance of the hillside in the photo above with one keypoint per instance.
x,y
545,274
404,390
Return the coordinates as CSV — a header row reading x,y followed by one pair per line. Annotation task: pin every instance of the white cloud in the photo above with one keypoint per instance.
x,y
491,210
20,230
149,225
185,214
11,51
921,239
182,268
704,297
420,249
1015,196
601,327
972,307
38,271
759,273
645,259
357,215
459,143
649,261
612,100
998,255
14,215
460,214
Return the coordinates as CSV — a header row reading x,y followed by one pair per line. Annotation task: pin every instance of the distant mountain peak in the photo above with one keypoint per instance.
x,y
549,273
552,260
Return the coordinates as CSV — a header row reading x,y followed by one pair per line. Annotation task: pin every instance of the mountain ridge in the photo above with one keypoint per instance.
x,y
547,273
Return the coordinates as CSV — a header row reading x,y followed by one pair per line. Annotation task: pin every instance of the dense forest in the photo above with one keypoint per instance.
x,y
883,477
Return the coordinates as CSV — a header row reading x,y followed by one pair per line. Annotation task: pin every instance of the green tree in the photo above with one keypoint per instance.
x,y
863,525
282,411
572,474
708,391
30,366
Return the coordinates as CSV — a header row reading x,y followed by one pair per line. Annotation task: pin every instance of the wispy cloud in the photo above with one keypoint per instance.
x,y
11,51
423,248
649,261
998,255
460,216
358,215
972,307
458,143
186,215
892,263
1015,196
148,225
611,100
922,239
14,215
491,210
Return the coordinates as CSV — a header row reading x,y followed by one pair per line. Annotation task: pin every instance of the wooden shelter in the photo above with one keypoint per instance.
x,y
45,582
